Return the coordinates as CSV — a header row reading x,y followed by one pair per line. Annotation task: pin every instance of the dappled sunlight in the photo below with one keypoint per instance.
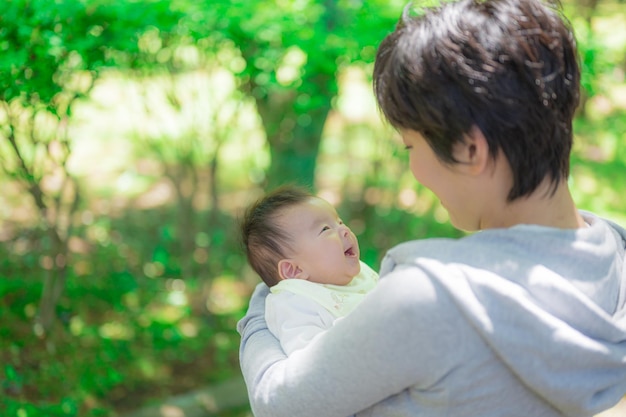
x,y
356,102
158,312
618,94
117,331
227,295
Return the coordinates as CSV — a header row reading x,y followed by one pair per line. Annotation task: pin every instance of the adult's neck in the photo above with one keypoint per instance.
x,y
543,208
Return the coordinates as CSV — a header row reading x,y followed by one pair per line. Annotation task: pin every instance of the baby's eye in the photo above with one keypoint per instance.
x,y
325,228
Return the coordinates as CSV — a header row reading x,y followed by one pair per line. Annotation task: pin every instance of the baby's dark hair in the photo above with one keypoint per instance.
x,y
263,239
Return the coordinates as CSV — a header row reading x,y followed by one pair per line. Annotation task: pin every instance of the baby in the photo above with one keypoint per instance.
x,y
310,260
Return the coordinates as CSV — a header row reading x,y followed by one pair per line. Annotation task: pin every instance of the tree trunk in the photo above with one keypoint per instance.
x,y
294,119
295,137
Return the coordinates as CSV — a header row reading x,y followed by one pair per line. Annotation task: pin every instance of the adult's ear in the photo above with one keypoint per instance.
x,y
472,152
288,269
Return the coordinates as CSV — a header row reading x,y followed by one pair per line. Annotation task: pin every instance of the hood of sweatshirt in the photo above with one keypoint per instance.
x,y
550,303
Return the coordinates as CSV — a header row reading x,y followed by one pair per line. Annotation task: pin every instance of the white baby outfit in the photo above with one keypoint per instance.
x,y
297,310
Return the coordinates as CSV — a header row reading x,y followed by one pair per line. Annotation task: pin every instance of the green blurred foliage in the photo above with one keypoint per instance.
x,y
292,52
128,329
156,279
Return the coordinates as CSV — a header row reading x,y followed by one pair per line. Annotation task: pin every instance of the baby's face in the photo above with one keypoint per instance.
x,y
323,247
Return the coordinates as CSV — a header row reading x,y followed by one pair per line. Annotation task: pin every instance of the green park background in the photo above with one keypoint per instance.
x,y
132,134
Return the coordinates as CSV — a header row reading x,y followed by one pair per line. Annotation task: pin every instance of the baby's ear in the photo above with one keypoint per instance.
x,y
287,269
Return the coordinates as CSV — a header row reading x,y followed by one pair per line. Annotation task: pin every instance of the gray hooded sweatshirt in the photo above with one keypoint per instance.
x,y
528,321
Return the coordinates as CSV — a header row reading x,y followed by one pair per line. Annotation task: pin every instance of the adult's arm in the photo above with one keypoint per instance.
x,y
384,346
256,337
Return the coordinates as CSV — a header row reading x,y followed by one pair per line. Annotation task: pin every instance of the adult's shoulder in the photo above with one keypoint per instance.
x,y
442,249
593,219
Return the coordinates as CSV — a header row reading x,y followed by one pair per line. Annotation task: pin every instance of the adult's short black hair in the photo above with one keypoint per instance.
x,y
507,67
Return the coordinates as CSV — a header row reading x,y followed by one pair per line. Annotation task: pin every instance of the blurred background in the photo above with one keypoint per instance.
x,y
133,133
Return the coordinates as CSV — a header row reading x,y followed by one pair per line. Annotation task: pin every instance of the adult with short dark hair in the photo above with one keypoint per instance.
x,y
525,317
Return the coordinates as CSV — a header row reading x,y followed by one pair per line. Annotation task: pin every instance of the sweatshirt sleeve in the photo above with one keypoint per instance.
x,y
355,364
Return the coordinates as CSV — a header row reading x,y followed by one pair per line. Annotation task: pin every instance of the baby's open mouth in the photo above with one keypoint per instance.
x,y
349,252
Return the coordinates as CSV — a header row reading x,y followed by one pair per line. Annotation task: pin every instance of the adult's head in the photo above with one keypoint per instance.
x,y
292,234
508,68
